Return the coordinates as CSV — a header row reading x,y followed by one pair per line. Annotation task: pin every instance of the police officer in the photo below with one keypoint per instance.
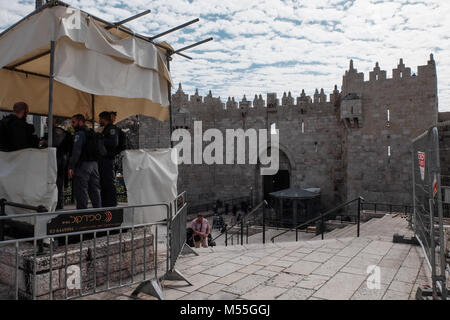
x,y
63,142
16,133
83,166
106,163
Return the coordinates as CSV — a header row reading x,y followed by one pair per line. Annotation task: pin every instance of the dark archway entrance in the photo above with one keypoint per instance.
x,y
277,182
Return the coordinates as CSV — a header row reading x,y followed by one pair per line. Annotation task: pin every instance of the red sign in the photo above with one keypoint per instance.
x,y
435,186
421,156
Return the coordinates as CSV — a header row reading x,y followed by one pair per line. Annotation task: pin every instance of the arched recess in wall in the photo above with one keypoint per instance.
x,y
283,179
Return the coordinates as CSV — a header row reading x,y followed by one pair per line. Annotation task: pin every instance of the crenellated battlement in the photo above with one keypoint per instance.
x,y
353,80
182,99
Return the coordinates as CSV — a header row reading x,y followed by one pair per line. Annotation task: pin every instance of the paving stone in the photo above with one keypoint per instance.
x,y
195,296
303,267
360,263
194,270
395,295
302,250
387,275
341,287
284,280
246,284
223,269
332,266
212,288
266,273
349,251
401,286
266,261
282,263
336,244
312,282
258,253
364,293
213,262
264,292
314,298
318,256
397,253
198,281
378,248
296,294
281,253
173,294
222,295
407,275
293,258
274,268
244,260
251,268
390,263
298,255
231,278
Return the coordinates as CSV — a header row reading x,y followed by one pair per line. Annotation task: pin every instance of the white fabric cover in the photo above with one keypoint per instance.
x,y
150,177
28,176
89,59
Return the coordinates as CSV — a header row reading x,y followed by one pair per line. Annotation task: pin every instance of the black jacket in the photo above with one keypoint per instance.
x,y
111,140
19,133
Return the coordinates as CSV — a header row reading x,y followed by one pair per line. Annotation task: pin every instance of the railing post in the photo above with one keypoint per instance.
x,y
296,234
242,231
264,224
359,216
2,222
226,236
390,209
247,234
375,208
322,226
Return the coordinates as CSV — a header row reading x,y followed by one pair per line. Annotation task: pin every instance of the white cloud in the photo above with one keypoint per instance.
x,y
274,45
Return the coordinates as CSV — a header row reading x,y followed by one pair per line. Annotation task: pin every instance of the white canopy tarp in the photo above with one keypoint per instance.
x,y
151,178
28,176
124,73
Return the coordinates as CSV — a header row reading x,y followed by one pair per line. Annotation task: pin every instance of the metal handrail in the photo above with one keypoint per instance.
x,y
390,205
320,217
4,202
242,219
208,205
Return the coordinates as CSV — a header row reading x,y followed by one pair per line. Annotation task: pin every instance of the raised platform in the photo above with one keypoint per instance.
x,y
316,269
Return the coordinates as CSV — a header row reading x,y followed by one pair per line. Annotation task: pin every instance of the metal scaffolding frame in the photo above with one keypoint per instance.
x,y
108,25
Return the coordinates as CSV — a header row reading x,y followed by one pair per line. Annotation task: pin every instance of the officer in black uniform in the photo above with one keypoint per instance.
x,y
16,133
106,163
63,142
83,167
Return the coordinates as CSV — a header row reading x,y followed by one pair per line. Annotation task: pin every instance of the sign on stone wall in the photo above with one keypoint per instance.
x,y
66,223
421,156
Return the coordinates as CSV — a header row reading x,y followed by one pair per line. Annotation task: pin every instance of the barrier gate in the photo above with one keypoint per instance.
x,y
73,257
427,199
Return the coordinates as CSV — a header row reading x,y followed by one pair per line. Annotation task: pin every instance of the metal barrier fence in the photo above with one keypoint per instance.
x,y
89,251
428,218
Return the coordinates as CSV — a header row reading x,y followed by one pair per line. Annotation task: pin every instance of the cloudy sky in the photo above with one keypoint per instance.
x,y
276,46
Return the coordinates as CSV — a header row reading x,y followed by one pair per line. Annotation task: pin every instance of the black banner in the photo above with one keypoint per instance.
x,y
66,223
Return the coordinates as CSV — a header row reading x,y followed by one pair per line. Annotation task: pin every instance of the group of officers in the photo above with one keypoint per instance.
x,y
77,155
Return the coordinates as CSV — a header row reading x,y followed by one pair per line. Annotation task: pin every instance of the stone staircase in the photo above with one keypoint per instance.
x,y
383,228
